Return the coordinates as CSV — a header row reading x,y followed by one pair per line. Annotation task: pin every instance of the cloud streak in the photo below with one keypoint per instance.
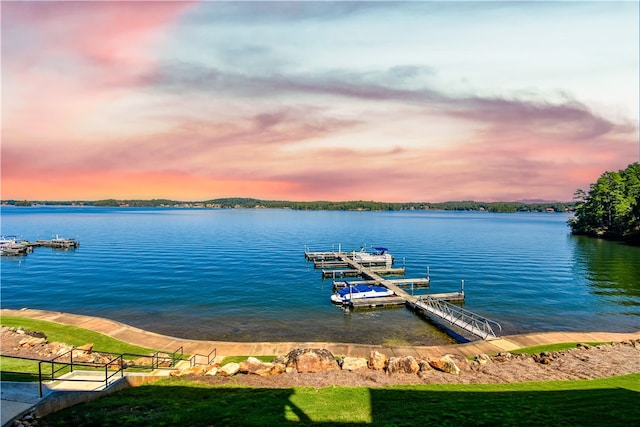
x,y
195,101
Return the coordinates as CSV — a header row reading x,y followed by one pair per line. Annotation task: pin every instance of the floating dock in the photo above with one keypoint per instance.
x,y
14,246
436,306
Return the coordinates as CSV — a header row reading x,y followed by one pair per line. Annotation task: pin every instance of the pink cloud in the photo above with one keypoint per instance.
x,y
62,60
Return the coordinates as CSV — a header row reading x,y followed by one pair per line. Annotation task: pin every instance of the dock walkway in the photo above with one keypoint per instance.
x,y
436,306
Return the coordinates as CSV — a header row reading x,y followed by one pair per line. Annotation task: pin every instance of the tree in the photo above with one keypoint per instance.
x,y
611,209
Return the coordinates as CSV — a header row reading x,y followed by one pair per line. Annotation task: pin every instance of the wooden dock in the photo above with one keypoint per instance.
x,y
436,306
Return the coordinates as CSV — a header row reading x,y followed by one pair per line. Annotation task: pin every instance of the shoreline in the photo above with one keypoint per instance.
x,y
137,336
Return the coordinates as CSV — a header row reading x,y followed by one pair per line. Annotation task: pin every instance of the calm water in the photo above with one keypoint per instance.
x,y
241,274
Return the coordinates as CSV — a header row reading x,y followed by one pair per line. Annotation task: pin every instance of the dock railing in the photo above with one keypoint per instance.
x,y
460,317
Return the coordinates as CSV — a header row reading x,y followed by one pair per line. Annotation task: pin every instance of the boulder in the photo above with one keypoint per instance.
x,y
402,365
424,365
278,368
353,363
311,360
503,356
377,361
229,369
445,364
256,367
30,341
87,348
213,370
481,359
192,370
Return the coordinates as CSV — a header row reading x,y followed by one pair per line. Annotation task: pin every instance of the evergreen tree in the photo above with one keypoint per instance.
x,y
612,207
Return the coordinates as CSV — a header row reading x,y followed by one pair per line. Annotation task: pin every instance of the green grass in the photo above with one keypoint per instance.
x,y
551,347
23,370
72,335
609,401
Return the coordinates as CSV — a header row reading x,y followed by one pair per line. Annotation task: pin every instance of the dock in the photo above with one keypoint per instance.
x,y
438,307
15,246
420,282
357,272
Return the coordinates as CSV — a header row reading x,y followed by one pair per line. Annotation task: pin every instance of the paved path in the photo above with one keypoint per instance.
x,y
165,343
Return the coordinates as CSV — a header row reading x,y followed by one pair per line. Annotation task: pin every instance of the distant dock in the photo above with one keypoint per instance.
x,y
15,246
436,306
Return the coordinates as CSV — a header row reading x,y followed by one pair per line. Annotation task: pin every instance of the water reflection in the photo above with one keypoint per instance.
x,y
611,270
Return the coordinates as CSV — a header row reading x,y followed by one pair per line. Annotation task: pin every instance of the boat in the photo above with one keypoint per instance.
x,y
380,256
12,245
352,292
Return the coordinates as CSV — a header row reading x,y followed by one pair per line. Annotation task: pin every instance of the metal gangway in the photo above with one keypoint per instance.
x,y
464,319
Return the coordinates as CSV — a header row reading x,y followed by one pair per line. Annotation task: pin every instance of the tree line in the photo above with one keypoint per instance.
x,y
611,208
357,205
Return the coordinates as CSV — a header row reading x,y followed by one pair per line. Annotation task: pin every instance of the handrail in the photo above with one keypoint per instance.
x,y
117,361
458,316
193,358
174,356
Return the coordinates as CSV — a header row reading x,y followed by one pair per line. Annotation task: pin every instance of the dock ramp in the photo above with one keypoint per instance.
x,y
464,319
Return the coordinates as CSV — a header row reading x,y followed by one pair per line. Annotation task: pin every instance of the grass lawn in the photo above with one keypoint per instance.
x,y
72,335
610,401
24,370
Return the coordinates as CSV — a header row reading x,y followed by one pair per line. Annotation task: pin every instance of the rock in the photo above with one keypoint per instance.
x,y
424,365
230,369
503,356
583,346
353,363
546,357
30,341
445,364
482,359
192,370
402,365
256,367
290,370
212,371
278,368
311,360
87,348
377,361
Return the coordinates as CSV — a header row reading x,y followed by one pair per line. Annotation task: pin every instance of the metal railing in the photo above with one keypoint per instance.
x,y
58,368
54,369
460,317
194,359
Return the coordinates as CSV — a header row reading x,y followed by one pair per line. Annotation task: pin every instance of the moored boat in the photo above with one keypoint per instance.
x,y
379,256
352,292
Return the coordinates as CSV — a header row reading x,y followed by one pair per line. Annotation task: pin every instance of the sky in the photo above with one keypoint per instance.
x,y
383,101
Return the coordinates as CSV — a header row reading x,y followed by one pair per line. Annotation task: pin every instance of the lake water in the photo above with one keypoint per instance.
x,y
241,275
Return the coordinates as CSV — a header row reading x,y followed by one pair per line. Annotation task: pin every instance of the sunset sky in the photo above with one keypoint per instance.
x,y
384,101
